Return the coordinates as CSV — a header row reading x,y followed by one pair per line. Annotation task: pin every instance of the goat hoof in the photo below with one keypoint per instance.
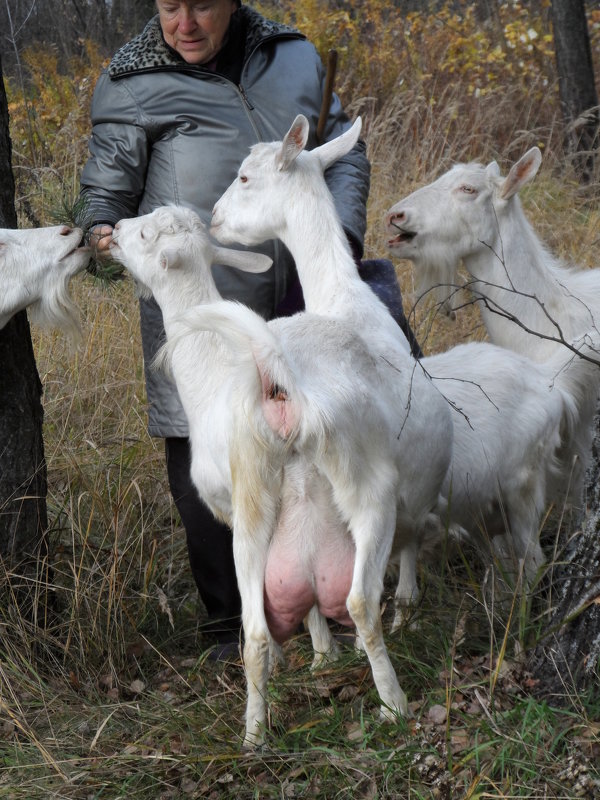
x,y
401,620
253,742
391,713
321,660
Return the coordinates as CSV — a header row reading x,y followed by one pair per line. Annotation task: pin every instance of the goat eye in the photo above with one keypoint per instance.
x,y
243,179
466,189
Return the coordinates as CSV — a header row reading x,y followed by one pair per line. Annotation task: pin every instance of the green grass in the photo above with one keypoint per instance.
x,y
146,715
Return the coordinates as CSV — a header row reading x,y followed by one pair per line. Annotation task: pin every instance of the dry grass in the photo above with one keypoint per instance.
x,y
114,697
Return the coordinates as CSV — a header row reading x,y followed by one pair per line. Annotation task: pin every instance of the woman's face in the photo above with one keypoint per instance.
x,y
195,28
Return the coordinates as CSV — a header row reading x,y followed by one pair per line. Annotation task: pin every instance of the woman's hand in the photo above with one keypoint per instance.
x,y
100,238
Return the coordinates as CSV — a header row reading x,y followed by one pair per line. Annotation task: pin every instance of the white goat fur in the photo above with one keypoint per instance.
x,y
510,413
280,193
529,301
35,268
298,477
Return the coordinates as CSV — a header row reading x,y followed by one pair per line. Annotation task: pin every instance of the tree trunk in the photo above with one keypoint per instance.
x,y
23,516
567,658
577,90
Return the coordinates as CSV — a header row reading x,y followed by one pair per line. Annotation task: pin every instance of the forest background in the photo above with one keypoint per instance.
x,y
111,697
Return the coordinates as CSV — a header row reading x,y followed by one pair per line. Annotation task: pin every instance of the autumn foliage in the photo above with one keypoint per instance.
x,y
469,86
49,125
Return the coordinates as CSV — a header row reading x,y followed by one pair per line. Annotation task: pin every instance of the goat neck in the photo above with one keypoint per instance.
x,y
183,288
328,273
519,277
322,254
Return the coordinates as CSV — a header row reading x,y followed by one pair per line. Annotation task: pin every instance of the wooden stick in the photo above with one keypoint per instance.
x,y
327,93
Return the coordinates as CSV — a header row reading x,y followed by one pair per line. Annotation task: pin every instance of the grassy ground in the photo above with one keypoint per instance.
x,y
115,697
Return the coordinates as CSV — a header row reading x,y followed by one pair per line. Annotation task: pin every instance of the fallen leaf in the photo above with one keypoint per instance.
x,y
136,649
188,786
365,790
459,740
106,681
355,732
348,693
437,714
163,604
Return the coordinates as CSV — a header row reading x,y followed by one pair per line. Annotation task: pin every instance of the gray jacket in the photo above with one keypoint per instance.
x,y
165,131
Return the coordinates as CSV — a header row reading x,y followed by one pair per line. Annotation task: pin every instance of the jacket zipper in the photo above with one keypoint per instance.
x,y
245,98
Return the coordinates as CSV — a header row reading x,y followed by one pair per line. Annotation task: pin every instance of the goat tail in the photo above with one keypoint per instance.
x,y
239,326
245,333
251,342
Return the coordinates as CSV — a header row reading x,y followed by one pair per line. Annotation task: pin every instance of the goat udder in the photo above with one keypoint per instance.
x,y
286,605
291,590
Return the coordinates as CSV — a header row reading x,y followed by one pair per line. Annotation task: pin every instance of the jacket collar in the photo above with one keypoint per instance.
x,y
149,51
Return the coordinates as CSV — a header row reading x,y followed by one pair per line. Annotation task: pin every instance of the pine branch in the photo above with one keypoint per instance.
x,y
103,268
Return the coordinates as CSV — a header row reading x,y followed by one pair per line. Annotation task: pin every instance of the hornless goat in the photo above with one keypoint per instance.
x,y
35,268
529,302
291,430
280,193
509,413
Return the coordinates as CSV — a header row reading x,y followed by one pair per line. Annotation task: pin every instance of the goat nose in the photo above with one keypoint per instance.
x,y
396,216
65,230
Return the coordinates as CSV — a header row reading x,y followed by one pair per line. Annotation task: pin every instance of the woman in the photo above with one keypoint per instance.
x,y
173,116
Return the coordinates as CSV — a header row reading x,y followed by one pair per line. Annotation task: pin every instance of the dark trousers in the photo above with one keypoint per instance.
x,y
210,546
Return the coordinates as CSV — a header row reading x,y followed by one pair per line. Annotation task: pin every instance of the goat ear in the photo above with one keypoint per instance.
x,y
293,143
492,170
246,260
169,258
331,151
521,173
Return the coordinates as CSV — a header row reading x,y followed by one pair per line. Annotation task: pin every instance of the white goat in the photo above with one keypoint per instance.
x,y
529,302
280,193
283,417
35,268
509,412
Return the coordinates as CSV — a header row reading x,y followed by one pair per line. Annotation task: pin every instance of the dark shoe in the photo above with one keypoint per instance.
x,y
345,638
225,652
